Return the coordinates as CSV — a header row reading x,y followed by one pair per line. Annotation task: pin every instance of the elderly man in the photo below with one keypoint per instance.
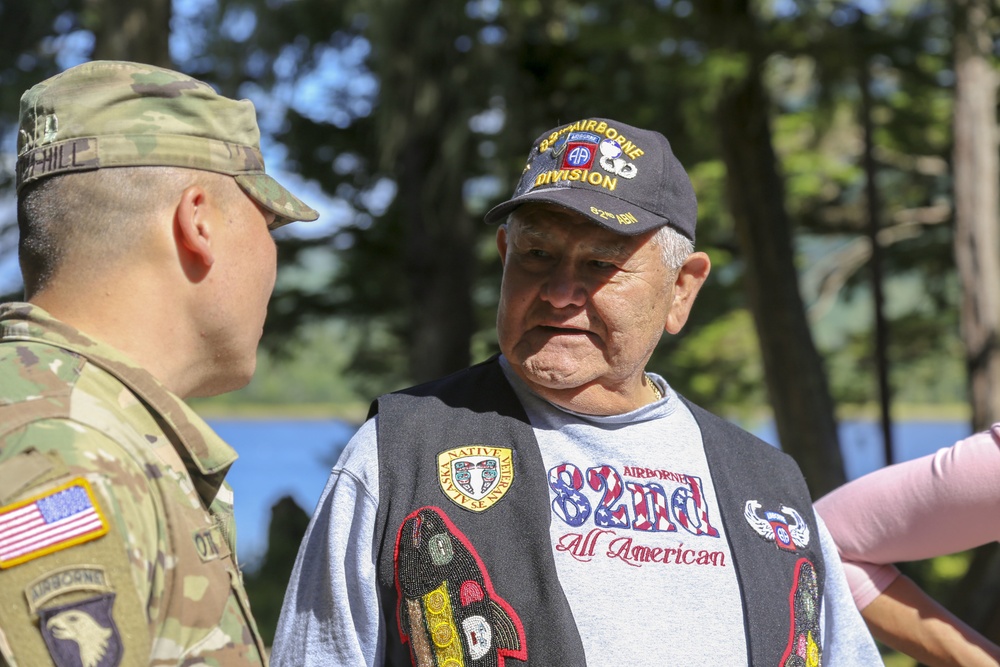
x,y
145,217
559,505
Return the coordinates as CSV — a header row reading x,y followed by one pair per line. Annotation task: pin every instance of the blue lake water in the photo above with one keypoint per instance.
x,y
293,457
277,458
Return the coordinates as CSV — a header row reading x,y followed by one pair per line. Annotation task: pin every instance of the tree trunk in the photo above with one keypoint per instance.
x,y
130,30
796,380
427,146
438,259
977,234
977,255
874,208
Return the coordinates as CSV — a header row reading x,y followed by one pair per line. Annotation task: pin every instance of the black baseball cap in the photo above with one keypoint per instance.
x,y
619,176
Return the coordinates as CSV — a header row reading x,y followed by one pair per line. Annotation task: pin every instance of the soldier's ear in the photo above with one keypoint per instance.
x,y
192,231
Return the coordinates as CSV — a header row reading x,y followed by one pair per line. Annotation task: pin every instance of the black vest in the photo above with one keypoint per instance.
x,y
484,582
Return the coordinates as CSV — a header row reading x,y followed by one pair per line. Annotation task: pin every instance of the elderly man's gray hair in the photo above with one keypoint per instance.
x,y
674,246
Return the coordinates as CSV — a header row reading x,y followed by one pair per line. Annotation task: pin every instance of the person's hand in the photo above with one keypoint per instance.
x,y
905,618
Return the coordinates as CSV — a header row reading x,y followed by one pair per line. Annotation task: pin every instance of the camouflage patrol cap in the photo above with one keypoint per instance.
x,y
121,114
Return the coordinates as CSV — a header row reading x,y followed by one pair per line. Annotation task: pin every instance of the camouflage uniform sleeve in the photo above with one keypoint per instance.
x,y
79,544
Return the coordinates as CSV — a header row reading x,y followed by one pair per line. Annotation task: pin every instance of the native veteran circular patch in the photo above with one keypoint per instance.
x,y
476,476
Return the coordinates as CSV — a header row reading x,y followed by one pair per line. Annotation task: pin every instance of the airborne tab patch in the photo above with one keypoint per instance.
x,y
57,519
66,580
476,476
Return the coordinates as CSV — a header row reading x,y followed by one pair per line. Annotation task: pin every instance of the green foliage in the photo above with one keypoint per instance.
x,y
720,366
414,119
309,374
39,38
427,121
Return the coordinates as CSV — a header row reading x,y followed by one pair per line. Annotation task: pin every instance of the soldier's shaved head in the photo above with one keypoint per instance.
x,y
94,219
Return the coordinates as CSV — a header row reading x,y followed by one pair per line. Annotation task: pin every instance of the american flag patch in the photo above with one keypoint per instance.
x,y
59,518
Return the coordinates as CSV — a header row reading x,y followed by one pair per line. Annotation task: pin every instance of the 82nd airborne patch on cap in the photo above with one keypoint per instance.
x,y
476,476
579,150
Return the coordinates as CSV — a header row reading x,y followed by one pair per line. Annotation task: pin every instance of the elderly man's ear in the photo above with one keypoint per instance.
x,y
687,283
502,243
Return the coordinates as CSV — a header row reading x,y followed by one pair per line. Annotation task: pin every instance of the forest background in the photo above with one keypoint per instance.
x,y
844,154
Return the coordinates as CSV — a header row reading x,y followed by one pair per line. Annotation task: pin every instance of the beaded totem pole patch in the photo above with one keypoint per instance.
x,y
803,647
448,611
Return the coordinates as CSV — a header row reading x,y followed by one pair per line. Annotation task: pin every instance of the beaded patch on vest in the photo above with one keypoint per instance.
x,y
448,610
804,649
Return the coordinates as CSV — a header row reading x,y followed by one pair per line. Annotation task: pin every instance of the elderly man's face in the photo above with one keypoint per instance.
x,y
580,306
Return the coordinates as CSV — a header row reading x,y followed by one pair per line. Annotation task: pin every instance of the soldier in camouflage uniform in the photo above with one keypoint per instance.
x,y
144,213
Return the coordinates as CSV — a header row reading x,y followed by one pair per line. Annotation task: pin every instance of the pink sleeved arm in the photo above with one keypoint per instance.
x,y
938,504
